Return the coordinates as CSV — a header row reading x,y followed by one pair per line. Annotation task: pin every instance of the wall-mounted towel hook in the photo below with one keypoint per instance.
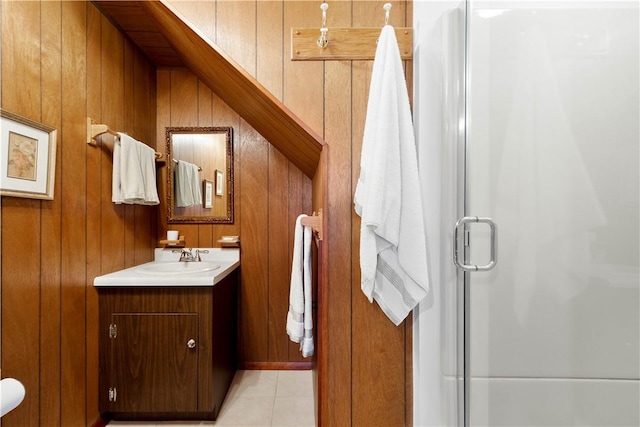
x,y
387,8
322,41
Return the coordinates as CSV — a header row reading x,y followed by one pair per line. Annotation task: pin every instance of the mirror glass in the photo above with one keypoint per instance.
x,y
200,175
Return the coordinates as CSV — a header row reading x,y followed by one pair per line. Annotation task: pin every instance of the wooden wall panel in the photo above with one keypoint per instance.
x,y
339,306
21,301
73,196
254,235
304,80
330,97
269,46
263,218
51,218
62,62
111,89
202,14
236,32
279,263
21,93
94,182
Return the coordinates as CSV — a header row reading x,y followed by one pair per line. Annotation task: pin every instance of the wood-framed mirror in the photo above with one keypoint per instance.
x,y
199,175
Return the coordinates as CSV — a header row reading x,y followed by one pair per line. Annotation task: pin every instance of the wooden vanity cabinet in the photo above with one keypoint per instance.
x,y
167,353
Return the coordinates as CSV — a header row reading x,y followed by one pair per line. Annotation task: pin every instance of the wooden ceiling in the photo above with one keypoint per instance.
x,y
170,41
142,30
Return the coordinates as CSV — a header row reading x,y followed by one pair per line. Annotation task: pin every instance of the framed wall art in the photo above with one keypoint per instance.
x,y
207,196
219,183
27,157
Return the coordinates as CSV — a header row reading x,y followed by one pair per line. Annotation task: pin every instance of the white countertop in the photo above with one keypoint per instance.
x,y
227,258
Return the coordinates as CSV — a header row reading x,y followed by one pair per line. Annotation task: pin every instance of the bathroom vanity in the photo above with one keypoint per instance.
x,y
168,337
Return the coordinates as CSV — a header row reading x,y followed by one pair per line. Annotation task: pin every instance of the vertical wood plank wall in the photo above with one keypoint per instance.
x,y
70,62
367,380
62,62
270,193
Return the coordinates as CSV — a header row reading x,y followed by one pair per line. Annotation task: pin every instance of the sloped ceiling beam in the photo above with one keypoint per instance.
x,y
254,103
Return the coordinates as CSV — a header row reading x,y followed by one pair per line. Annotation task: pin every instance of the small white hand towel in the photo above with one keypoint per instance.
x,y
393,255
295,316
116,176
306,346
147,156
299,316
187,184
134,172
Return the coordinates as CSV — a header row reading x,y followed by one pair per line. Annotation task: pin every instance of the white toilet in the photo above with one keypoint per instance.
x,y
11,394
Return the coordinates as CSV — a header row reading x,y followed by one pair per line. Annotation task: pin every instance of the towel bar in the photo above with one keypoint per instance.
x,y
315,222
95,129
176,162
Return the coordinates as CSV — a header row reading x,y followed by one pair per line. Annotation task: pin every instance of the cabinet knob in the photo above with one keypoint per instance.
x,y
191,343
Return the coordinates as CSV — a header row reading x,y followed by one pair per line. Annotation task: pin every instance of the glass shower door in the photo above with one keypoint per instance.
x,y
552,157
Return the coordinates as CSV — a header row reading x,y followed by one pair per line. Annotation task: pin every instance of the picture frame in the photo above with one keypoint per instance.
x,y
219,183
27,157
207,194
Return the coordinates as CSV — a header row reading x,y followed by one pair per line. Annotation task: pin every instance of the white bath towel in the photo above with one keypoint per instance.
x,y
299,316
393,255
134,172
187,184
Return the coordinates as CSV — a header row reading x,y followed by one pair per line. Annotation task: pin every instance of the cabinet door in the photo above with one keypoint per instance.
x,y
154,366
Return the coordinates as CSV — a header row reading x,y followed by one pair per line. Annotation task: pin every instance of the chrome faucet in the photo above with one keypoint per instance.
x,y
198,252
186,255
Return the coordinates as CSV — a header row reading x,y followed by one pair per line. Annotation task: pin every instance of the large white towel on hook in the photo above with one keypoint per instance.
x,y
134,172
299,316
393,255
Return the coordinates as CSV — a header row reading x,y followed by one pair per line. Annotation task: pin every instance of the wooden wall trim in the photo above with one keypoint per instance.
x,y
255,104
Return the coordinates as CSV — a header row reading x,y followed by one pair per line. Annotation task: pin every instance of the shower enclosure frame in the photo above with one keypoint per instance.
x,y
441,30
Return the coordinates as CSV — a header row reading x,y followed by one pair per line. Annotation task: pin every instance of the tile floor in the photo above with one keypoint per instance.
x,y
258,398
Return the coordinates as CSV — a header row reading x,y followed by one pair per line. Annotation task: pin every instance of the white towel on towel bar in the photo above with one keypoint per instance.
x,y
393,255
187,184
299,316
134,172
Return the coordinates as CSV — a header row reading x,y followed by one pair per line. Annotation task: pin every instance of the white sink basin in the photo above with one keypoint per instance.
x,y
166,270
176,268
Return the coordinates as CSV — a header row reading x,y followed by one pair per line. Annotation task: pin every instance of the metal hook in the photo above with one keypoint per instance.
x,y
387,8
322,41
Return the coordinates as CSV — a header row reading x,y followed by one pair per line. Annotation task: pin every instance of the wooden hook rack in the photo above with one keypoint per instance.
x,y
315,222
345,44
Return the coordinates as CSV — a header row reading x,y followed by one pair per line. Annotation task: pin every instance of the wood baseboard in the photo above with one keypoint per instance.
x,y
276,366
100,422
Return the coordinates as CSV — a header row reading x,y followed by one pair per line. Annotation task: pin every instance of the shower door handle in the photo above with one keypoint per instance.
x,y
458,250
